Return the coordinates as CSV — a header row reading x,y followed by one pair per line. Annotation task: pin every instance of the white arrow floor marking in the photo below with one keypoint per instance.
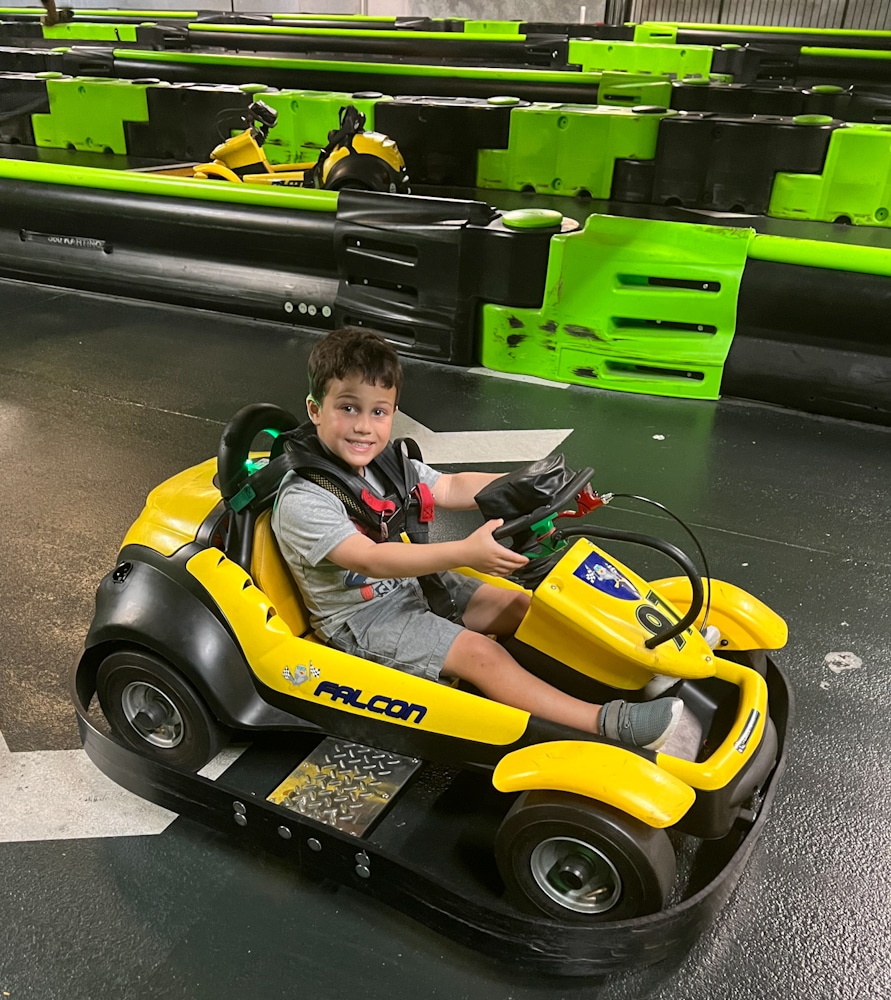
x,y
62,795
478,447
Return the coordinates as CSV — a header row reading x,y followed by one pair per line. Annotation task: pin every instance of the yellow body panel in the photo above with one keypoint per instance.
x,y
175,510
593,623
742,741
315,673
215,171
240,150
744,621
599,771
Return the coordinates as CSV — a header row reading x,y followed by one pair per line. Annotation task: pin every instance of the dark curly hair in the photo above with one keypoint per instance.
x,y
353,350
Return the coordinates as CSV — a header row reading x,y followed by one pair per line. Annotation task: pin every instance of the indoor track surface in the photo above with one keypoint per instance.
x,y
104,896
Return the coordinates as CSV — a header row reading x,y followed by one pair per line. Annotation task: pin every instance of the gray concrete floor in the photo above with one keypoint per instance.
x,y
102,399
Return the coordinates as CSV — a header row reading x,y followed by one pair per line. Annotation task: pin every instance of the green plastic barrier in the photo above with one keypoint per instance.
x,y
293,199
492,27
629,304
648,32
89,115
855,184
634,57
91,32
567,149
628,90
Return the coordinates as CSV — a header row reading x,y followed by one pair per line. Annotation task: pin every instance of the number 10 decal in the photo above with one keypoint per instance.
x,y
656,619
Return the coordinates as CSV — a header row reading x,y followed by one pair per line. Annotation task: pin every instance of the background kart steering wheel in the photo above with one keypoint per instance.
x,y
557,503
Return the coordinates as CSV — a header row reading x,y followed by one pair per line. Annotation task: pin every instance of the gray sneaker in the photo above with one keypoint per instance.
x,y
648,724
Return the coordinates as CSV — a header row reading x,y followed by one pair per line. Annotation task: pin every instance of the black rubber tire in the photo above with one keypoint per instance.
x,y
192,742
636,863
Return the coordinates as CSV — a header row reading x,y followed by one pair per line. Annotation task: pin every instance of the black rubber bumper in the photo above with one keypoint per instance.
x,y
420,882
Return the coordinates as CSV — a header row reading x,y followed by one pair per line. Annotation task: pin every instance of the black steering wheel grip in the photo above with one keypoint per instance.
x,y
554,506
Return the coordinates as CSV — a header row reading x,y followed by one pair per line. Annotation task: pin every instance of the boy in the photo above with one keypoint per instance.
x,y
364,597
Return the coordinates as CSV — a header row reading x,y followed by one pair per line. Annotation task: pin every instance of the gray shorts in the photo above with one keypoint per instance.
x,y
401,631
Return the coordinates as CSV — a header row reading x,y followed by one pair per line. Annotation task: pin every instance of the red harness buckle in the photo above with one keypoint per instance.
x,y
381,507
426,502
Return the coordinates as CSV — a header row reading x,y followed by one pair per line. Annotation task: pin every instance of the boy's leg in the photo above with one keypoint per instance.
x,y
496,610
490,668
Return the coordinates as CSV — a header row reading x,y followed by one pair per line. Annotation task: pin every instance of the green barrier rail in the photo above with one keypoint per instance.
x,y
760,29
630,304
826,53
821,254
184,15
854,187
505,75
122,182
419,36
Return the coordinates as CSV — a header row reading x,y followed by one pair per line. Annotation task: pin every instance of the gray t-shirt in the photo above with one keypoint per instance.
x,y
309,521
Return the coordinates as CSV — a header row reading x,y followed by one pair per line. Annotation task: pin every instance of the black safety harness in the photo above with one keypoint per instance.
x,y
404,510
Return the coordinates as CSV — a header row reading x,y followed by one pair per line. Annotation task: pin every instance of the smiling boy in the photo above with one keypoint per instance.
x,y
363,593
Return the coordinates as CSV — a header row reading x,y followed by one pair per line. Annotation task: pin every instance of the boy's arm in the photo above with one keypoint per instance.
x,y
456,491
479,551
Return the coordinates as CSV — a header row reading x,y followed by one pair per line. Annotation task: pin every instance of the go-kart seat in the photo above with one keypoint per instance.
x,y
271,574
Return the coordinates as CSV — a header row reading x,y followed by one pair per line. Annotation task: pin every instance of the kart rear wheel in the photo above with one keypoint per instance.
x,y
578,860
154,710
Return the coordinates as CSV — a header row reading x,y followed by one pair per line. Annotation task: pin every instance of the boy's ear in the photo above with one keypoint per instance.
x,y
313,408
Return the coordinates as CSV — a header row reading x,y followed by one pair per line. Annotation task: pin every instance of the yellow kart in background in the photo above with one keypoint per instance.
x,y
353,158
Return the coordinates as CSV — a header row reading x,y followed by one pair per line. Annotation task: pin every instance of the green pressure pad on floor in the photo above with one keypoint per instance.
x,y
630,304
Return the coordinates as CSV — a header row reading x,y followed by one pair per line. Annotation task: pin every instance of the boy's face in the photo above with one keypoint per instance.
x,y
354,419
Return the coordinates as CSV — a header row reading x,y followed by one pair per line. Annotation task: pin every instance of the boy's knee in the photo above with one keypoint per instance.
x,y
470,655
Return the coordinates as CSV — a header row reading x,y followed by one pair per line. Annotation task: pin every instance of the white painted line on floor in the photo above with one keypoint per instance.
x,y
478,447
515,377
62,795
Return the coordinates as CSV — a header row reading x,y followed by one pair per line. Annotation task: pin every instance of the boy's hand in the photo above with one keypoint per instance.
x,y
485,555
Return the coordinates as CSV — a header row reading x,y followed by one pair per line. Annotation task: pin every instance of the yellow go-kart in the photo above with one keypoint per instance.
x,y
200,634
353,157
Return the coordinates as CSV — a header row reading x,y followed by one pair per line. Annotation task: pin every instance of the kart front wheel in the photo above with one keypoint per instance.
x,y
575,859
153,709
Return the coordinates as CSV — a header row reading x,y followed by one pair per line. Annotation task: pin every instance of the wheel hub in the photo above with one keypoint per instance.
x,y
152,714
576,875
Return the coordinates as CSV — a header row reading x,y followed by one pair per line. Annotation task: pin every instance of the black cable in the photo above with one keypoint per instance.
x,y
707,574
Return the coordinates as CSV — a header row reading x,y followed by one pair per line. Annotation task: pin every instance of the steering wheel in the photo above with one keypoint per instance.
x,y
557,503
238,436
